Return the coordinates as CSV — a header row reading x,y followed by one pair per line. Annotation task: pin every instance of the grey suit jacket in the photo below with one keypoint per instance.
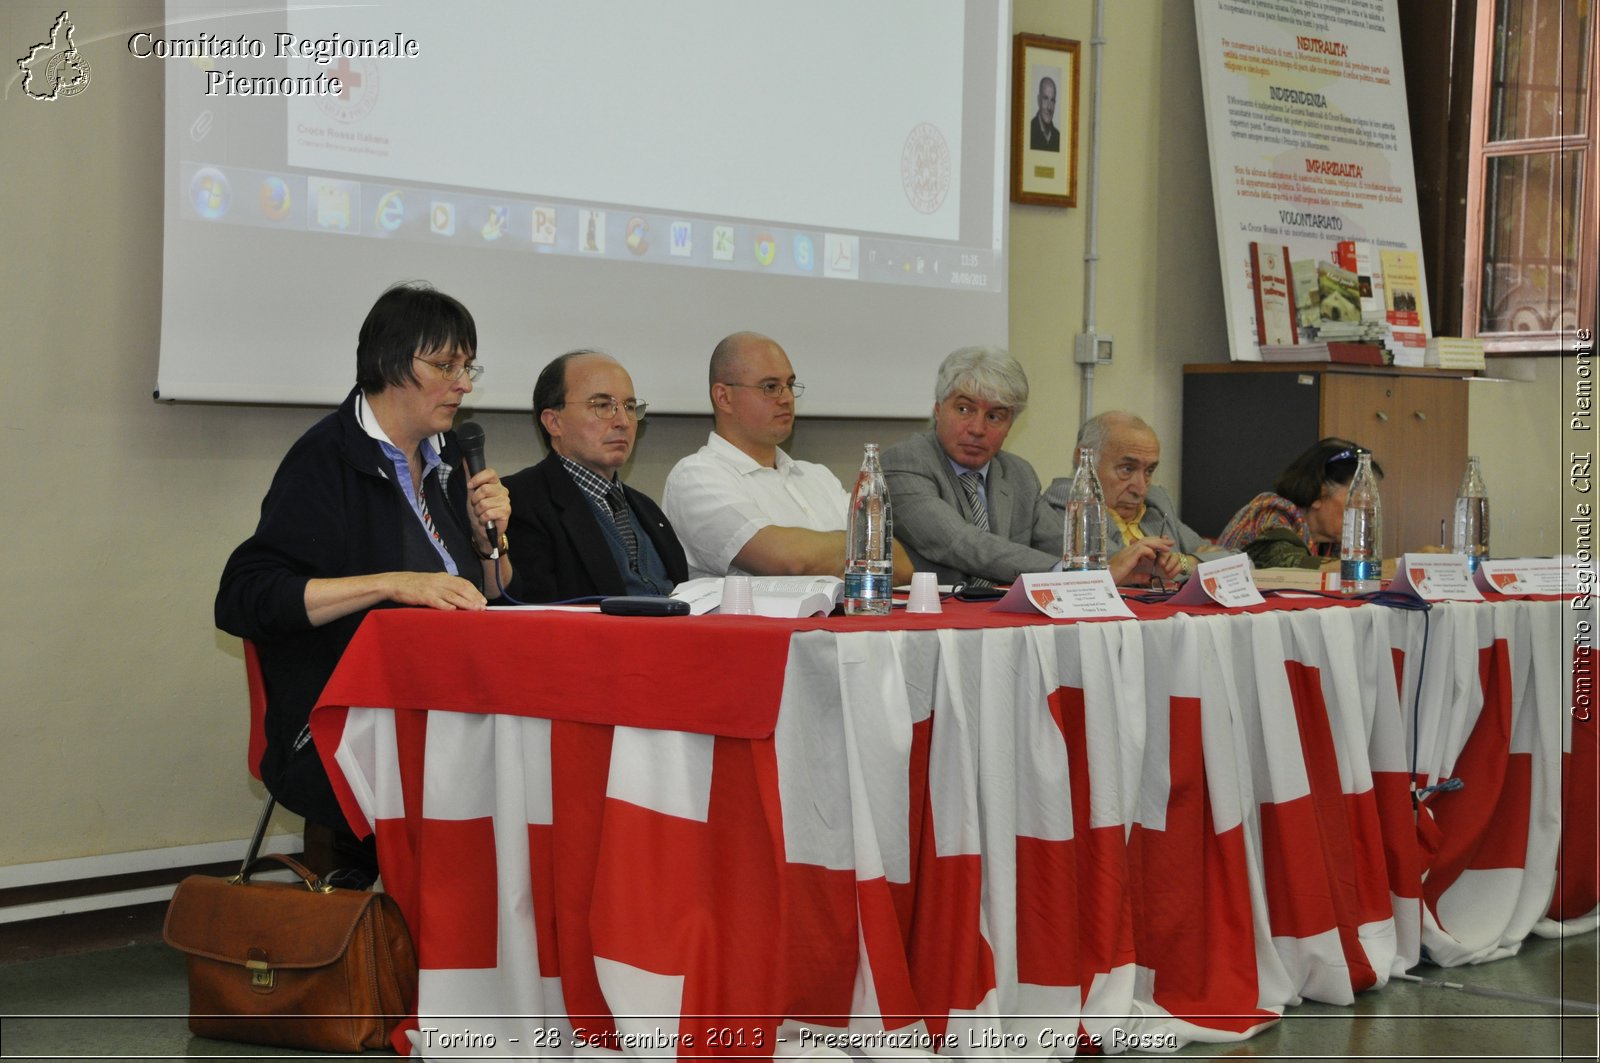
x,y
930,516
1160,518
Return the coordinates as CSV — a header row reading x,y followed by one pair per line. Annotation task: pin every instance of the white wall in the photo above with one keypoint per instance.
x,y
124,717
1515,426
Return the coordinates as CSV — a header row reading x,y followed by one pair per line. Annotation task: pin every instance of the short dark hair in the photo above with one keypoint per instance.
x,y
410,318
1328,461
550,390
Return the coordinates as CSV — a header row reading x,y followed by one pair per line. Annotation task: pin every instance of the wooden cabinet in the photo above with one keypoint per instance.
x,y
1244,421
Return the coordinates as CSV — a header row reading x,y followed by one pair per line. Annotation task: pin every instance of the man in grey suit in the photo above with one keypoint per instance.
x,y
1138,510
962,506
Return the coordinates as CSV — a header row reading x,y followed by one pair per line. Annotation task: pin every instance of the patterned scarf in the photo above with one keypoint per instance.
x,y
1261,514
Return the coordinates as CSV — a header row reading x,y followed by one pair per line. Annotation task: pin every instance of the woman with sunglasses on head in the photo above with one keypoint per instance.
x,y
371,507
1297,524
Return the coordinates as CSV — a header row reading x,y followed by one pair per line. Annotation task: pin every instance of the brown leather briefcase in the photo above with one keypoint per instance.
x,y
301,965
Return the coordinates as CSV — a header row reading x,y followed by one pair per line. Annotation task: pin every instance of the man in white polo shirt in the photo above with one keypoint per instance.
x,y
740,504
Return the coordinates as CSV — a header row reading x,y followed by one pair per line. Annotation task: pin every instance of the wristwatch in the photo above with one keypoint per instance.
x,y
505,548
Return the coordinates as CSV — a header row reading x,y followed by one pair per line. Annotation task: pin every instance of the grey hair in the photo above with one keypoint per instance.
x,y
1098,428
987,373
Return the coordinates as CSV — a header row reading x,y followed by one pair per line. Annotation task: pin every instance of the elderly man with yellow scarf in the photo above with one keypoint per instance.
x,y
1128,455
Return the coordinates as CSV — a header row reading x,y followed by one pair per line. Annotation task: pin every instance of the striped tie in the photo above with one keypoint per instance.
x,y
972,487
978,513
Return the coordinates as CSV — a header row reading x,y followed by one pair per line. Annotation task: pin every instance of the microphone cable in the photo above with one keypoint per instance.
x,y
499,584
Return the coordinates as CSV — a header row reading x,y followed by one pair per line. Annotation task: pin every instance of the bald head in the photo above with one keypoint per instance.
x,y
729,356
742,366
1097,429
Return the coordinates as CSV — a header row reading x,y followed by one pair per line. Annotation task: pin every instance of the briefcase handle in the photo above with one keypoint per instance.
x,y
309,877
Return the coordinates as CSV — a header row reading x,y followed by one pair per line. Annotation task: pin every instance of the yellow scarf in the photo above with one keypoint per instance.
x,y
1129,528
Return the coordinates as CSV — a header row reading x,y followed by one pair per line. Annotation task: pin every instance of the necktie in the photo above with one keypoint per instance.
x,y
972,487
618,504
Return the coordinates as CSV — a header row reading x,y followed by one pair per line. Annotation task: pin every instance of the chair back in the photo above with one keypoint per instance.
x,y
257,744
255,747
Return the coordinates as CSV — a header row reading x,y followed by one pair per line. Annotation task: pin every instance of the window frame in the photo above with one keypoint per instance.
x,y
1481,152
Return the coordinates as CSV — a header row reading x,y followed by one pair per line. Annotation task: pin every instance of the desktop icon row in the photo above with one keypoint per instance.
x,y
335,205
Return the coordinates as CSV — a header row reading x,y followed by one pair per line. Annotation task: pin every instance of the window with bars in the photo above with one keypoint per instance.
x,y
1531,220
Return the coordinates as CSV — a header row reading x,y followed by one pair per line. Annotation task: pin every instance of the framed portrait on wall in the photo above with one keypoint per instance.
x,y
1044,120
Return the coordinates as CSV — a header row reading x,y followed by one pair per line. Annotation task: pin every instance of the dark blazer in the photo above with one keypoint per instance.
x,y
1043,137
333,510
557,546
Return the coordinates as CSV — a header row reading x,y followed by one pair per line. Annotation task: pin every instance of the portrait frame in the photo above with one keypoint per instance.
x,y
1047,177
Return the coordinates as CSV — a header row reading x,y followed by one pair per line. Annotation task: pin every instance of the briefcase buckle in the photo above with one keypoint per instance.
x,y
261,976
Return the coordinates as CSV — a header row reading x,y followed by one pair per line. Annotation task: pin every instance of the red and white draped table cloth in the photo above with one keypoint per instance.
x,y
973,833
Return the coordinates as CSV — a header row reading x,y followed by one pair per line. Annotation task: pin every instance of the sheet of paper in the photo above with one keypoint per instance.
x,y
1226,582
1065,596
1532,575
1436,578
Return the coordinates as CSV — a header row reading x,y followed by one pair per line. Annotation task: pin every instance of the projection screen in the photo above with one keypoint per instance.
x,y
640,178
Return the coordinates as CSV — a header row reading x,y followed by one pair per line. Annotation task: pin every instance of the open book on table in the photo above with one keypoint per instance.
x,y
781,596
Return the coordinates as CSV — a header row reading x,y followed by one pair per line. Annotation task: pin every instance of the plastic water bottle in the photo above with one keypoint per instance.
x,y
1472,517
869,543
1083,538
1361,539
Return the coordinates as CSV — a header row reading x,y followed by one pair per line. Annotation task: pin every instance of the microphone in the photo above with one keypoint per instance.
x,y
470,438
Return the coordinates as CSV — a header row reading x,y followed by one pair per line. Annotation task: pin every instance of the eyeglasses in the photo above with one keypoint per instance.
x,y
453,370
773,389
1158,580
605,409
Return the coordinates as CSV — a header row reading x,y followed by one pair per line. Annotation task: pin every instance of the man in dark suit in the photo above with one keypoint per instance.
x,y
1044,136
581,531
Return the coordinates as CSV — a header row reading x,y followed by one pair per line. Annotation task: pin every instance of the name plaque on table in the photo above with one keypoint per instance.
x,y
1226,582
1532,575
1066,596
1436,578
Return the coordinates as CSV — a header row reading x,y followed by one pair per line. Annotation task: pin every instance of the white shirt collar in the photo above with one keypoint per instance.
x,y
743,462
369,424
961,470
